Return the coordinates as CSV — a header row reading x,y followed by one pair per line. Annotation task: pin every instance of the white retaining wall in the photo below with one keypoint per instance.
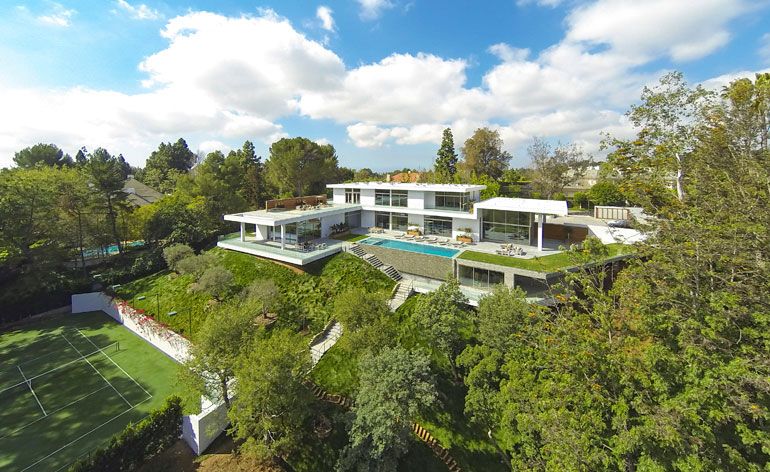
x,y
200,430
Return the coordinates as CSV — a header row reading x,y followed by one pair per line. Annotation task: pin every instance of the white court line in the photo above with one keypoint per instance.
x,y
116,365
29,384
97,370
82,436
54,411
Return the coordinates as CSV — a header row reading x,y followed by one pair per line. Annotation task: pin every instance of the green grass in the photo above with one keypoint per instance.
x,y
309,295
552,263
82,410
336,372
350,237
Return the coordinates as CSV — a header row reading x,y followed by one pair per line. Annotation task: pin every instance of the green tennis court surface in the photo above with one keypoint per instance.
x,y
70,383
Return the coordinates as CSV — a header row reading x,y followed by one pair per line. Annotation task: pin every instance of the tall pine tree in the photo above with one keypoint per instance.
x,y
446,159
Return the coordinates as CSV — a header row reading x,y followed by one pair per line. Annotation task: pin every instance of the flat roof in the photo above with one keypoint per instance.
x,y
527,205
422,187
281,217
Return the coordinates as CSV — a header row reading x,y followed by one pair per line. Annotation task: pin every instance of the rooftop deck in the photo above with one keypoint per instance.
x,y
291,255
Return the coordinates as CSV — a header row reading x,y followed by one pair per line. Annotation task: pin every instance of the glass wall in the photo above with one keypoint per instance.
x,y
382,219
399,221
505,226
295,233
392,221
453,201
438,226
353,219
382,197
482,278
399,198
352,195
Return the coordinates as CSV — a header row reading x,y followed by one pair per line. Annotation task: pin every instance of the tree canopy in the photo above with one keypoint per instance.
x,y
298,166
483,154
553,168
42,154
445,166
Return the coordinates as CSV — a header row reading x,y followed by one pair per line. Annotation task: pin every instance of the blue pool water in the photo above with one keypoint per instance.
x,y
412,247
110,250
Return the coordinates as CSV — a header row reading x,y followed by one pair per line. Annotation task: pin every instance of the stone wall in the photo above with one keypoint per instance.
x,y
434,267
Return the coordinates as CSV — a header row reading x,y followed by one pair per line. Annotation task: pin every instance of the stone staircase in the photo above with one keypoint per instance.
x,y
404,290
324,341
375,262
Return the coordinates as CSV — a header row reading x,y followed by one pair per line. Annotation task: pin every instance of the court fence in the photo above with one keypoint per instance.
x,y
198,430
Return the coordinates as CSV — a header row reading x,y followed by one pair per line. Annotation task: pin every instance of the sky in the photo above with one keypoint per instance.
x,y
378,79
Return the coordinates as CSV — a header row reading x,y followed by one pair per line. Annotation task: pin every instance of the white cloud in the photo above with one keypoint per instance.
x,y
717,83
58,15
140,11
324,14
542,3
372,9
223,79
643,30
206,147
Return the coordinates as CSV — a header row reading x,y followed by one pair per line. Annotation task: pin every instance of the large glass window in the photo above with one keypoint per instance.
x,y
308,230
399,198
475,277
353,219
352,195
438,226
506,226
453,201
382,197
399,221
382,219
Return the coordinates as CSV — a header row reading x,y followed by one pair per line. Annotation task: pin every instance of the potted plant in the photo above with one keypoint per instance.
x,y
339,228
467,236
413,229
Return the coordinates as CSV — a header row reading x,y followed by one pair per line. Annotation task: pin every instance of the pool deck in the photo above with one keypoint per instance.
x,y
549,246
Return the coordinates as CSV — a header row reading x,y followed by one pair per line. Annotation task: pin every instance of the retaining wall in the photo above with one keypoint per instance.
x,y
434,267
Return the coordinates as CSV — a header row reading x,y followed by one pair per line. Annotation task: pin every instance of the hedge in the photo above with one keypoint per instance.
x,y
139,442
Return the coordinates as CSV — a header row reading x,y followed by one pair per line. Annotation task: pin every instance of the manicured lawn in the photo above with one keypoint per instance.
x,y
350,237
552,263
76,406
305,296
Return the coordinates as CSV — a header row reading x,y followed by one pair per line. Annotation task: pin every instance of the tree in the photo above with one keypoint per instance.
x,y
501,314
270,410
357,308
606,192
42,154
483,154
266,293
216,281
555,168
174,253
75,200
364,175
106,175
177,218
219,343
196,264
445,166
395,386
298,165
166,164
442,316
667,118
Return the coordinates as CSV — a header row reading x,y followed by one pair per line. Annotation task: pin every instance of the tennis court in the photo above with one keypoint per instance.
x,y
68,384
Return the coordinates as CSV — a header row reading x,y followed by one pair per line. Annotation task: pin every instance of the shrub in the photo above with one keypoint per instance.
x,y
175,253
196,265
137,443
216,281
148,263
558,196
581,199
264,292
606,193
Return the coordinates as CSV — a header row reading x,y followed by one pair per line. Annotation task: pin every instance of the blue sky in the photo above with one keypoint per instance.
x,y
379,79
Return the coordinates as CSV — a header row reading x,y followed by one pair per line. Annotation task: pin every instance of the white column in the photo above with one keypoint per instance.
x,y
283,237
243,231
540,219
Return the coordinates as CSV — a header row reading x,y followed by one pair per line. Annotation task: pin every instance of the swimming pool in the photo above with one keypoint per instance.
x,y
411,247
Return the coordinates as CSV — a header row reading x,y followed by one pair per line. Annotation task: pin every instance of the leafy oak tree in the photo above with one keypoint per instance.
x,y
395,386
483,154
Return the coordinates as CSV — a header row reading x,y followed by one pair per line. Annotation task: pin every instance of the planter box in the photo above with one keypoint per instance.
x,y
414,232
465,239
342,233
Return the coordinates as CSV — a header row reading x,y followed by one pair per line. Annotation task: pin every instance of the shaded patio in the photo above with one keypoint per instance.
x,y
291,253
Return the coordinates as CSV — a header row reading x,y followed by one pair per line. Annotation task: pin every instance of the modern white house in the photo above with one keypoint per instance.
x,y
298,230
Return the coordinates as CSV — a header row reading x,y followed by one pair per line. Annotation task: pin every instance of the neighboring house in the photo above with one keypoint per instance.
x,y
297,230
140,194
583,183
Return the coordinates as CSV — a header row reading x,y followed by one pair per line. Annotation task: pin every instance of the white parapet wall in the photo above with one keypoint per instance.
x,y
200,430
